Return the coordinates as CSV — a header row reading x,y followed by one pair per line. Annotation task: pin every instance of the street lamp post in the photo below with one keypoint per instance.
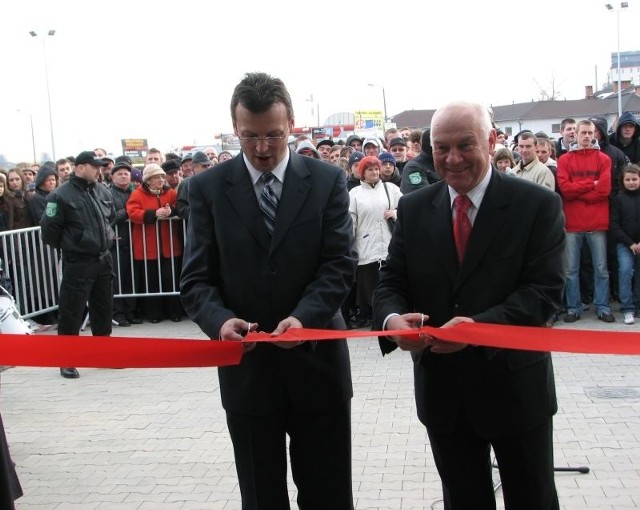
x,y
623,5
51,33
33,136
317,107
384,103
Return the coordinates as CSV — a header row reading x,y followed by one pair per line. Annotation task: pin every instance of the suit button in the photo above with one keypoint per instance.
x,y
273,270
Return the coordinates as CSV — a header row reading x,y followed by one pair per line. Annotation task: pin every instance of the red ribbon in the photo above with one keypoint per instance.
x,y
489,335
115,352
120,352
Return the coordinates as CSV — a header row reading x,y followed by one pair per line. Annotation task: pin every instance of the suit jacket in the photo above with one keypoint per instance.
x,y
511,274
233,268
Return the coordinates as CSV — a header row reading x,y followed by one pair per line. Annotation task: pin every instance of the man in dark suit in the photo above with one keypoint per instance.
x,y
473,398
269,247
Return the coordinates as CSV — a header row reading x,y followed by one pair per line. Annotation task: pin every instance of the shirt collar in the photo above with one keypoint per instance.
x,y
278,171
476,194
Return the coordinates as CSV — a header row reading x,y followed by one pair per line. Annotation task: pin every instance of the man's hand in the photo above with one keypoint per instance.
x,y
237,329
406,321
439,347
284,325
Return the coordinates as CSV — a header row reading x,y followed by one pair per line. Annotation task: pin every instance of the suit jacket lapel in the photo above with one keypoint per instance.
x,y
242,197
487,224
294,193
441,232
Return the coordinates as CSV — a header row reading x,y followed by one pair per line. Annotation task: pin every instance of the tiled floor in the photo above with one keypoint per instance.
x,y
156,439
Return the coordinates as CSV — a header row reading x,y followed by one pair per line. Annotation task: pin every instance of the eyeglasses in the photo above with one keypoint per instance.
x,y
269,140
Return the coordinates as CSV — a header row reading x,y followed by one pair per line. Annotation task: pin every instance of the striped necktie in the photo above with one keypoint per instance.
x,y
268,201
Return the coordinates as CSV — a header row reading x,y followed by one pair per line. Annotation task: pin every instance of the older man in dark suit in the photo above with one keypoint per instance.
x,y
484,247
269,247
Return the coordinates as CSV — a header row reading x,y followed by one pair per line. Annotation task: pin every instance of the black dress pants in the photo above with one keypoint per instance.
x,y
525,462
320,451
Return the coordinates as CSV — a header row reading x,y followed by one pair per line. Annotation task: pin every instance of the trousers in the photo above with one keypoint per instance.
x,y
86,279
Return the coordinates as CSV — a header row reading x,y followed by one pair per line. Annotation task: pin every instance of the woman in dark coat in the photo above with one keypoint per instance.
x,y
17,188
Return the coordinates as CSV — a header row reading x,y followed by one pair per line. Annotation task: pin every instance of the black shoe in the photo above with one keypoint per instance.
x,y
361,323
606,317
69,373
155,321
134,320
176,319
122,322
571,317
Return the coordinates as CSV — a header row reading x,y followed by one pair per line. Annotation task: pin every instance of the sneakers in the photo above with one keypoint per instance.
x,y
606,317
571,317
629,318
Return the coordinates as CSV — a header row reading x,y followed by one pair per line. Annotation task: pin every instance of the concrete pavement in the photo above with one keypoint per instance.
x,y
153,439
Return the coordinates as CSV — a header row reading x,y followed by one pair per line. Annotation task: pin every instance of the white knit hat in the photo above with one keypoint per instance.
x,y
152,170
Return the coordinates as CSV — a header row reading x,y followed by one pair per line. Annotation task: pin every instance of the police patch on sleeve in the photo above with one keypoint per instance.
x,y
51,210
415,178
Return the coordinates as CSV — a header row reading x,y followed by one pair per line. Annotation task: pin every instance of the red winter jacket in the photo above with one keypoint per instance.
x,y
584,181
141,209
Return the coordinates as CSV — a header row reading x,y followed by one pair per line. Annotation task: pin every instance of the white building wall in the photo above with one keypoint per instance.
x,y
631,74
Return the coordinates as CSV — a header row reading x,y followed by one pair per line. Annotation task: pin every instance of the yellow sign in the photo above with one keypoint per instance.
x,y
368,119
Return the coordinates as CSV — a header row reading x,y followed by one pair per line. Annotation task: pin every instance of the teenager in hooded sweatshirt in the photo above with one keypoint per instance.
x,y
627,137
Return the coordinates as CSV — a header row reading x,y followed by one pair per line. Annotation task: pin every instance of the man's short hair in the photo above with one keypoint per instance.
x,y
528,135
568,120
62,161
389,131
415,136
585,123
257,92
545,141
153,150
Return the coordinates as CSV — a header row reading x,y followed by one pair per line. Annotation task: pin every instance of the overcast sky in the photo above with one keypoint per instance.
x,y
165,71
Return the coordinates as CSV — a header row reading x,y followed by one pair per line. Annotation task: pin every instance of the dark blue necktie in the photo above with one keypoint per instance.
x,y
268,201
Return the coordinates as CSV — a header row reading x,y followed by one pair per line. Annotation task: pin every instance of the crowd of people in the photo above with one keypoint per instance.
x,y
137,193
602,224
439,226
601,203
374,170
595,172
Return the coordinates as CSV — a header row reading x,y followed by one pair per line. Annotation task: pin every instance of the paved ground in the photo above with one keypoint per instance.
x,y
156,439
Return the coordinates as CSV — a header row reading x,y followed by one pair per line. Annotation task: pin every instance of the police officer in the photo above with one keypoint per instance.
x,y
77,220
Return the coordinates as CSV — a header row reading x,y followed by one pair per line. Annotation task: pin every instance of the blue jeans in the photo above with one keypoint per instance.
x,y
628,279
597,242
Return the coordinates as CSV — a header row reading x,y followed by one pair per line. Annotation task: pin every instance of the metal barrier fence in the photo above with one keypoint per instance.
x,y
32,269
